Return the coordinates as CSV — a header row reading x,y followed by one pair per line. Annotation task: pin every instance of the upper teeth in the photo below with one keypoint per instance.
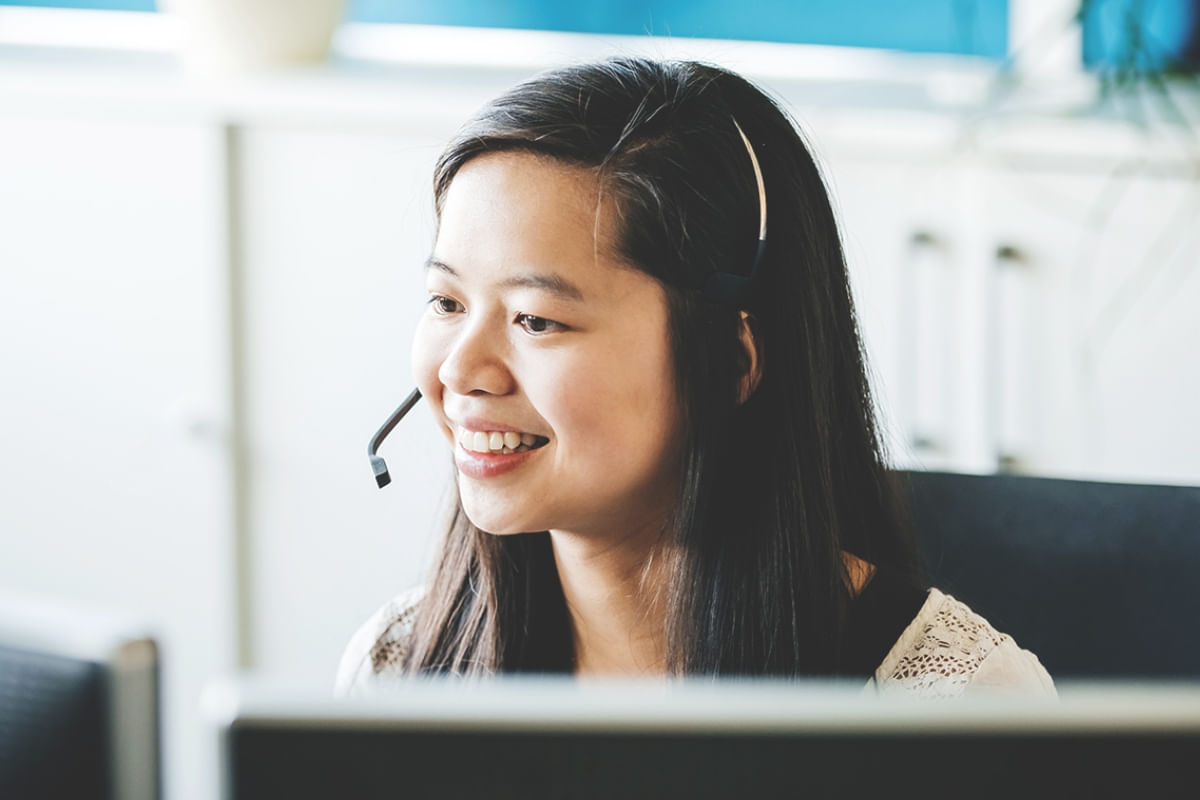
x,y
494,441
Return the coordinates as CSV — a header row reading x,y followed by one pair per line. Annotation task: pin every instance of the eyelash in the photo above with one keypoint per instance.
x,y
526,321
436,301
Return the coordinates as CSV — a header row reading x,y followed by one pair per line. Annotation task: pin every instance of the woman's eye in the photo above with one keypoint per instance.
x,y
444,305
539,324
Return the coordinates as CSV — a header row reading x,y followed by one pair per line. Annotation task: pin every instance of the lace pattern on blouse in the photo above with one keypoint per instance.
x,y
389,648
941,652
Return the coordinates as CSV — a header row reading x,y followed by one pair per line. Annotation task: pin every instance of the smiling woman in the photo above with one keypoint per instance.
x,y
641,347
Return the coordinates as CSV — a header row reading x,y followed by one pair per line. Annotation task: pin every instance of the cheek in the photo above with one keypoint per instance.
x,y
428,352
652,403
619,409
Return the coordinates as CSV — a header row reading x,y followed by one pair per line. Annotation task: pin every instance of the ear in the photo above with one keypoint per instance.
x,y
754,358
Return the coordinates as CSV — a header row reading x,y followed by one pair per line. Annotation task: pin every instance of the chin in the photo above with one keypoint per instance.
x,y
497,524
498,530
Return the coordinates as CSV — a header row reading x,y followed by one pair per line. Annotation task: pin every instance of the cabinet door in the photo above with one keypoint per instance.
x,y
1095,370
112,357
909,224
337,227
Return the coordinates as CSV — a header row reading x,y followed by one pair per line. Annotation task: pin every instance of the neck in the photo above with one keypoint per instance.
x,y
615,605
611,588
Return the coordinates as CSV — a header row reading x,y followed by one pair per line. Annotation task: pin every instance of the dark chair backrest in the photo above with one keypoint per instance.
x,y
1098,579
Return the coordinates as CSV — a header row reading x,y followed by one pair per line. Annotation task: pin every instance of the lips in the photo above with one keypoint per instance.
x,y
488,449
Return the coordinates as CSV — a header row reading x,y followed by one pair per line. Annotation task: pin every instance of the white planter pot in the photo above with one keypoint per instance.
x,y
230,37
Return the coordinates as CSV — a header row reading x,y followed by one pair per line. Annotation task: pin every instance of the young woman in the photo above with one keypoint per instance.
x,y
641,348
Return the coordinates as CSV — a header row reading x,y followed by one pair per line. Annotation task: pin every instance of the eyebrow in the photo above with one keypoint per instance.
x,y
547,282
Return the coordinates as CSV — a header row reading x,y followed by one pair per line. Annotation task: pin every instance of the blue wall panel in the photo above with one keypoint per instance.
x,y
977,27
111,5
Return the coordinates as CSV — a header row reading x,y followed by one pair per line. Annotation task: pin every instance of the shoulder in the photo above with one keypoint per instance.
x,y
949,650
377,649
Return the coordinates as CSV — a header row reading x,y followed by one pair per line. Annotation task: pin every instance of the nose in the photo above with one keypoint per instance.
x,y
475,362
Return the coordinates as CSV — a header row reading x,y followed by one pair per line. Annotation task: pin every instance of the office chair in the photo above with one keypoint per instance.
x,y
1100,580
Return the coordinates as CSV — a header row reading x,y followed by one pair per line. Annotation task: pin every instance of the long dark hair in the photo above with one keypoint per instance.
x,y
775,488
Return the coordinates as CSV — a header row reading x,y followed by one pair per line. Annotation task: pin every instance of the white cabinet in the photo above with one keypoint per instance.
x,y
1096,371
1028,312
113,388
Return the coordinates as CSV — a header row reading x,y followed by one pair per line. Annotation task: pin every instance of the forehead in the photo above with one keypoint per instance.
x,y
516,210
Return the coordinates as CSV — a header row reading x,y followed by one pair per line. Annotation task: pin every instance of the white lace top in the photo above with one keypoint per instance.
x,y
945,651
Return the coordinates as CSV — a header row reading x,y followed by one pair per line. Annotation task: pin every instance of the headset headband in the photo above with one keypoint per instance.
x,y
728,287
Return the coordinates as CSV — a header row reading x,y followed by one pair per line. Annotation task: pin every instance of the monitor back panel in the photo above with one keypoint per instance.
x,y
53,737
374,764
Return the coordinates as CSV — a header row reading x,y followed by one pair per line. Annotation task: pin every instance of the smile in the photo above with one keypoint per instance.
x,y
499,442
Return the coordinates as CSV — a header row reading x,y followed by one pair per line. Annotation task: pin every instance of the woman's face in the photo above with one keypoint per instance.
x,y
546,360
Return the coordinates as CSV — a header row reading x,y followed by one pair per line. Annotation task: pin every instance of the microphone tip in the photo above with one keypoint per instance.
x,y
381,471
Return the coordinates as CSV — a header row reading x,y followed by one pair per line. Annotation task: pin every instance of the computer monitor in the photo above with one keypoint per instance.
x,y
78,704
553,739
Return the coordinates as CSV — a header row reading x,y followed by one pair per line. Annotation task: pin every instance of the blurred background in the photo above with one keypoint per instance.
x,y
214,216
